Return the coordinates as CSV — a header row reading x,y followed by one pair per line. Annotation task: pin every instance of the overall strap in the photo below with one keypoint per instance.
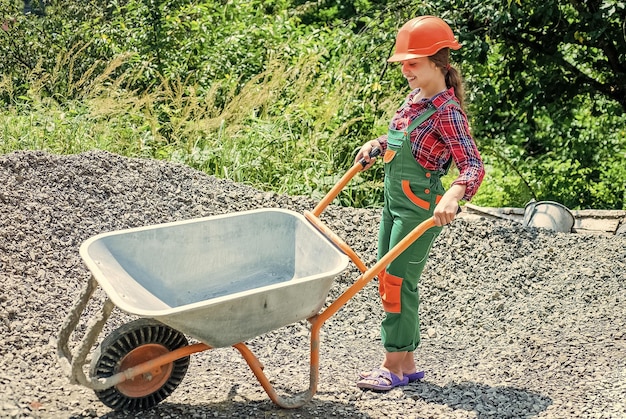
x,y
427,114
423,117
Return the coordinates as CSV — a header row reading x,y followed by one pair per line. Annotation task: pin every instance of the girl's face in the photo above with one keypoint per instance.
x,y
420,72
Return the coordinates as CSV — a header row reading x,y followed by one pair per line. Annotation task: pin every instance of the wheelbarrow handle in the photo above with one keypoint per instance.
x,y
332,194
374,152
370,273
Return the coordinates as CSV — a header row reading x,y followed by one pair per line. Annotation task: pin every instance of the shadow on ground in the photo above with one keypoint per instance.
x,y
484,400
244,409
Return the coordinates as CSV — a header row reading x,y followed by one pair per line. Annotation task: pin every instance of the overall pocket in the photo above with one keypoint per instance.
x,y
395,140
390,290
423,203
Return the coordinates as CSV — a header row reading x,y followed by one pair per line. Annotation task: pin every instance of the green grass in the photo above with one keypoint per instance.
x,y
278,132
288,130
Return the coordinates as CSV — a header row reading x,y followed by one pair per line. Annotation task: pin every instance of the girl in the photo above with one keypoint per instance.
x,y
426,134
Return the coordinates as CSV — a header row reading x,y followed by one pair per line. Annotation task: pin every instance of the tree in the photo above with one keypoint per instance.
x,y
549,77
577,47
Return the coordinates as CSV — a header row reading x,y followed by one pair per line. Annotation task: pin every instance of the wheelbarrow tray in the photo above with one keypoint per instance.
x,y
221,279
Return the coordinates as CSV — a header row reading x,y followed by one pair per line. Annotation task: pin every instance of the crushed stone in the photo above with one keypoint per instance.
x,y
517,322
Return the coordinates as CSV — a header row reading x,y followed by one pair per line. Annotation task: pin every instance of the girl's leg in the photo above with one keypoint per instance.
x,y
394,362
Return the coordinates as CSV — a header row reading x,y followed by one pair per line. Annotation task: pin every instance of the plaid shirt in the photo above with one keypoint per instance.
x,y
444,134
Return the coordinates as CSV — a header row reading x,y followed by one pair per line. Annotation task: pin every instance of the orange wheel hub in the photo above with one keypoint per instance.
x,y
148,383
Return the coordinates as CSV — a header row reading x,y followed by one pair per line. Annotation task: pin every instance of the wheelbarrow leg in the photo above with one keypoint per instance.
x,y
297,400
71,321
73,364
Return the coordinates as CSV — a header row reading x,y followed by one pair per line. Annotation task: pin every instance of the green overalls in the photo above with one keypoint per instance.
x,y
411,193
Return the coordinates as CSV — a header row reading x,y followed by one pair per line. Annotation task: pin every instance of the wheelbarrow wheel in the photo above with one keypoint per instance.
x,y
129,345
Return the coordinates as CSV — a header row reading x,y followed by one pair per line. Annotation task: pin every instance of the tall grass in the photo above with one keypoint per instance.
x,y
280,131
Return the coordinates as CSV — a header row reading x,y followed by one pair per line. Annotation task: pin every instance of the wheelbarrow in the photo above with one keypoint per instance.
x,y
220,280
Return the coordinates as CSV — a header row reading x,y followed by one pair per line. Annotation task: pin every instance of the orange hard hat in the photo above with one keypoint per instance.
x,y
423,36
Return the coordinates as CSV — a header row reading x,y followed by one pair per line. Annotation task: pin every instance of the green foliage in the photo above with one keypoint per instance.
x,y
548,96
50,48
280,94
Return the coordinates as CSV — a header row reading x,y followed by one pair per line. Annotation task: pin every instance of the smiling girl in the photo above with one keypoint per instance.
x,y
427,134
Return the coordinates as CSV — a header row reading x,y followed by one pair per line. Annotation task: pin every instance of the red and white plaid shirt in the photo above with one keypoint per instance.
x,y
444,134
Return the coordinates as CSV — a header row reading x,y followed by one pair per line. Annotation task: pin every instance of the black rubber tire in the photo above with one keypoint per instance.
x,y
109,354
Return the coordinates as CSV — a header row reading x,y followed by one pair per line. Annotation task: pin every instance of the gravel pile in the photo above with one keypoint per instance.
x,y
516,322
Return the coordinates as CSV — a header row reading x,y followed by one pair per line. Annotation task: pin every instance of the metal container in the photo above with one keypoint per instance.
x,y
221,279
550,215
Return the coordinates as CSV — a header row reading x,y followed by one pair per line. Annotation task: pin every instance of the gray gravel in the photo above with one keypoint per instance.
x,y
516,322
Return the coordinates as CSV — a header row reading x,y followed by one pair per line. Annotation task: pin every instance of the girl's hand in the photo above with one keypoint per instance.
x,y
447,208
364,153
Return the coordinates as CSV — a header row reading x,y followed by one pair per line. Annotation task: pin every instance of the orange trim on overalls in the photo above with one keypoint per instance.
x,y
390,290
406,188
389,155
422,203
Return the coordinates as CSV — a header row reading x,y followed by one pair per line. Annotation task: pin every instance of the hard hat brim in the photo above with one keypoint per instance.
x,y
403,56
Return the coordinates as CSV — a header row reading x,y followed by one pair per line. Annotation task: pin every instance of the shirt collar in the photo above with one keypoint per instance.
x,y
442,98
438,100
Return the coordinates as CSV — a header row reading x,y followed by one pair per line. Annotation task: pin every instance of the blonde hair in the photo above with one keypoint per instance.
x,y
453,76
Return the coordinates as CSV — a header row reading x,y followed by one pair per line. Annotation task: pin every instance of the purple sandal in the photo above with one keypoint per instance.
x,y
382,380
414,376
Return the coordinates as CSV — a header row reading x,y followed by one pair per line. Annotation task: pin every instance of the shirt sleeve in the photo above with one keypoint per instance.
x,y
454,131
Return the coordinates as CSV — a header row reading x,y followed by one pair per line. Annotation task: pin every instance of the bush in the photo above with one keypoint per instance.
x,y
280,94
